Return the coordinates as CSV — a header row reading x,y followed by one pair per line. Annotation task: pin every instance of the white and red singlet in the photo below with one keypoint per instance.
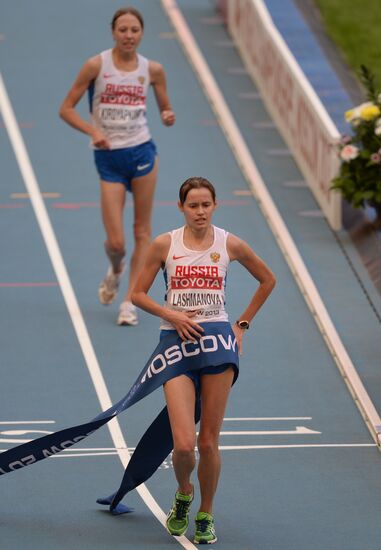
x,y
195,279
118,102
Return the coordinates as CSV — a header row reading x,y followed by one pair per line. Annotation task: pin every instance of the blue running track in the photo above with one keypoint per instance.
x,y
300,468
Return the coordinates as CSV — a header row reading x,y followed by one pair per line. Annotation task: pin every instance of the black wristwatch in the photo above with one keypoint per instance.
x,y
243,324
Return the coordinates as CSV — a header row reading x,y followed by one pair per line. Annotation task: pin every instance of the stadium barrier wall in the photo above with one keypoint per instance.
x,y
299,114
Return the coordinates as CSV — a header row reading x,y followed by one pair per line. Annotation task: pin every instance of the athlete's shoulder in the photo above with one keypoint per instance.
x,y
156,71
237,248
234,239
162,239
165,239
93,65
154,65
161,243
159,249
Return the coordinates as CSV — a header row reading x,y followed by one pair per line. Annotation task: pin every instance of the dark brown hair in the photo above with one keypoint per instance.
x,y
196,182
125,11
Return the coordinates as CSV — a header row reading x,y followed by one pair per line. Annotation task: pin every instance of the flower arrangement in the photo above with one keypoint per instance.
x,y
359,179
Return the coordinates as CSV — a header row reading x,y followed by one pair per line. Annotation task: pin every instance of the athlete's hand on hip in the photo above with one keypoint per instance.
x,y
99,140
168,118
238,333
186,328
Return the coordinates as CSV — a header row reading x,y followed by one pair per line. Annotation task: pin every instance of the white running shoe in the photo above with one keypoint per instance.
x,y
108,289
127,314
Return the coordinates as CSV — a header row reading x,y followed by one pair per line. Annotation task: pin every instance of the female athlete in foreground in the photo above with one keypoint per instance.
x,y
195,260
196,361
125,155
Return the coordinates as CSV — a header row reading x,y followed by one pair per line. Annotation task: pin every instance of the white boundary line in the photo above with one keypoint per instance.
x,y
27,422
274,220
110,451
69,453
70,299
295,446
265,419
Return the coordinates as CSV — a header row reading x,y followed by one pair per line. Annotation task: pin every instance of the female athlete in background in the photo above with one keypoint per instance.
x,y
195,259
118,80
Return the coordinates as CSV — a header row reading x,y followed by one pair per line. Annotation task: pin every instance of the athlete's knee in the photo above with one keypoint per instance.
x,y
115,248
142,233
207,444
184,449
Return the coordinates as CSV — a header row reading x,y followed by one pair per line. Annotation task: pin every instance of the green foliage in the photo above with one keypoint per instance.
x,y
367,78
359,179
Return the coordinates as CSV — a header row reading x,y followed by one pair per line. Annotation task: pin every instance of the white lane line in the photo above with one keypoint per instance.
x,y
23,432
5,422
59,267
236,448
264,418
235,419
106,453
299,430
299,446
275,221
111,450
69,453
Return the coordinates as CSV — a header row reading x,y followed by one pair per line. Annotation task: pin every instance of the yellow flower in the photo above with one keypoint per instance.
x,y
349,115
369,113
353,115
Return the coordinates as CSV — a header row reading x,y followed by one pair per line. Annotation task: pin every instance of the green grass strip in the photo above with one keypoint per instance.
x,y
355,27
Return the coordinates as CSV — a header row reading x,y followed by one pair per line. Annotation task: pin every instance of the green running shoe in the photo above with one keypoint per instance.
x,y
178,516
205,532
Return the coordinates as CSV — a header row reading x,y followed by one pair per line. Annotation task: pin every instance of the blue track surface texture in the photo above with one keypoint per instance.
x,y
300,470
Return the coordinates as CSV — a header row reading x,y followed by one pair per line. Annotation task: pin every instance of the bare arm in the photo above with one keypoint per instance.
x,y
68,113
182,321
158,81
239,250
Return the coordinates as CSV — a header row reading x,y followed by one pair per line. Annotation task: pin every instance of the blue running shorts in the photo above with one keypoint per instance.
x,y
123,165
195,376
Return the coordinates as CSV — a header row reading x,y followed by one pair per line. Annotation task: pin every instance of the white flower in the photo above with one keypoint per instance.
x,y
349,152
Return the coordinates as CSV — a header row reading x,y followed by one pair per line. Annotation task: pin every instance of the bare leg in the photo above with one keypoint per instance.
x,y
113,197
215,390
180,397
143,190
